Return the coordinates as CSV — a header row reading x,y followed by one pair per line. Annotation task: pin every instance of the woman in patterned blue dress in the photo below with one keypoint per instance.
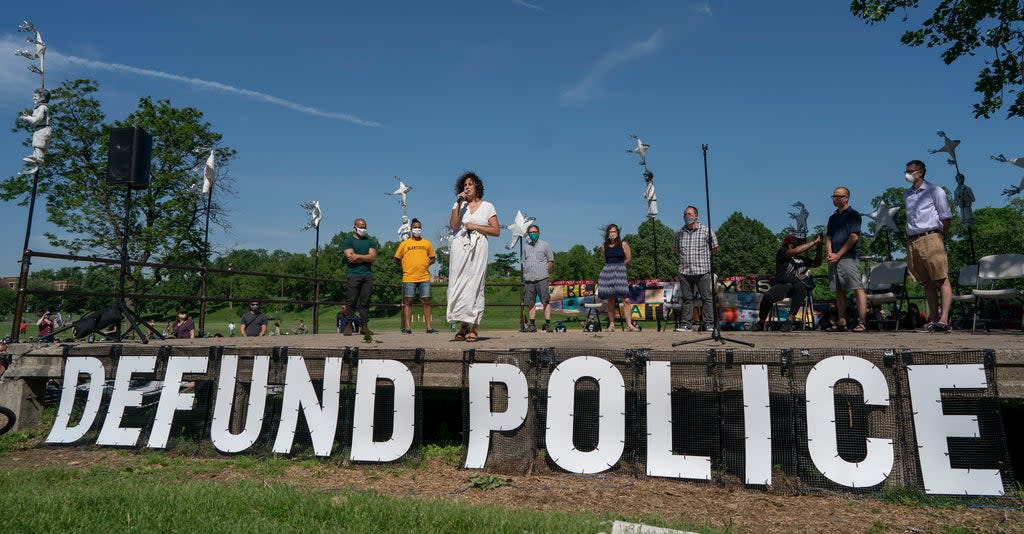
x,y
612,283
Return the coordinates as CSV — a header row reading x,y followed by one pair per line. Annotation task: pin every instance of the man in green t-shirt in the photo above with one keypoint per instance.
x,y
360,252
415,255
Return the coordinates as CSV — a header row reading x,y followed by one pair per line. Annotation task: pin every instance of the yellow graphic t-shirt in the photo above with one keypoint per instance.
x,y
415,255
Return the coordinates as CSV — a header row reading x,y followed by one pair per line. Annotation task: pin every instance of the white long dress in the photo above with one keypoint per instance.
x,y
467,269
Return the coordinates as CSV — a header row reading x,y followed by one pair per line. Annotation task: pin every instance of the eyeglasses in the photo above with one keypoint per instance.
x,y
838,196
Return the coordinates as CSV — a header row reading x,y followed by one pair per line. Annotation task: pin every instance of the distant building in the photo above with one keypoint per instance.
x,y
11,282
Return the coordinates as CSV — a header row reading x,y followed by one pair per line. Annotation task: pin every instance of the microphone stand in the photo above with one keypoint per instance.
x,y
716,333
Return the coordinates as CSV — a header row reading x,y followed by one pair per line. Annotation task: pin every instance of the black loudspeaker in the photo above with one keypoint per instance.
x,y
128,157
96,321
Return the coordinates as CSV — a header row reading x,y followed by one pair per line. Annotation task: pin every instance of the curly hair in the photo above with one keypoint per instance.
x,y
460,183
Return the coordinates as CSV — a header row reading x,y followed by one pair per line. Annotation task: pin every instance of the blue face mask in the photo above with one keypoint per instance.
x,y
534,236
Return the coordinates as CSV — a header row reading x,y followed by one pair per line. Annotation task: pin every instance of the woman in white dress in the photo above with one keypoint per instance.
x,y
472,220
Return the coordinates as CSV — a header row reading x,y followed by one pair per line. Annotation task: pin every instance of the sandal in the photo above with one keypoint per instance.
x,y
634,328
859,328
461,336
471,337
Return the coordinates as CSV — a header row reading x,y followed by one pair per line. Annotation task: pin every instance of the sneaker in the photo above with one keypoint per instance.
x,y
530,328
940,327
365,330
431,331
546,327
758,327
786,327
406,331
684,328
348,330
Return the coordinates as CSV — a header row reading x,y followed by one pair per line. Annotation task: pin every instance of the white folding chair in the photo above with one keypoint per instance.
x,y
887,284
967,281
993,268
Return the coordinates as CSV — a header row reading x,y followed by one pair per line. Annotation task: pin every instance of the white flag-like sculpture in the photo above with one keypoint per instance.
x,y
1015,161
40,53
1014,189
313,209
210,172
800,218
518,228
884,217
402,191
640,150
948,146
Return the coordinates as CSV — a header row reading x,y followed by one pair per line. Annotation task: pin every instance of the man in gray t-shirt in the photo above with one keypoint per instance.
x,y
537,263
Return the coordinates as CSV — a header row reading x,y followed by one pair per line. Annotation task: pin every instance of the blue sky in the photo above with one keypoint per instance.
x,y
329,101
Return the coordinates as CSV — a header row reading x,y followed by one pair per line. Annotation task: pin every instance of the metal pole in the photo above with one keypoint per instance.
x,y
522,288
316,283
654,230
124,243
206,264
26,260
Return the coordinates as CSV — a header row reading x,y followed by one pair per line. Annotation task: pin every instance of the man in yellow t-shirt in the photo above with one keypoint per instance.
x,y
415,255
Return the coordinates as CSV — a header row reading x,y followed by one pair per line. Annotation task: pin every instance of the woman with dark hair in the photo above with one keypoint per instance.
x,y
612,283
472,220
183,327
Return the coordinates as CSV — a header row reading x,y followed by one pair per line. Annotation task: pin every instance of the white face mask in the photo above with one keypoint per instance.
x,y
361,232
908,177
416,232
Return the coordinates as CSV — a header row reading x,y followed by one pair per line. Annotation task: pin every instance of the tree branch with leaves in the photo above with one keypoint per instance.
x,y
992,28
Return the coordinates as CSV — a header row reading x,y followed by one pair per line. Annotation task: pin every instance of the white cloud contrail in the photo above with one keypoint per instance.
x,y
584,90
524,3
197,82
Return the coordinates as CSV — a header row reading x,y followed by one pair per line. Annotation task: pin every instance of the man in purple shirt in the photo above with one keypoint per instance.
x,y
928,217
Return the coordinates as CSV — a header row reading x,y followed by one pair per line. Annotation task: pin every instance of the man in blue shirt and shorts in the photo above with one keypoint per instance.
x,y
843,244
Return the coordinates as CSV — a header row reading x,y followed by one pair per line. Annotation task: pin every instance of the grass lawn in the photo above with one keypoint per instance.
x,y
160,499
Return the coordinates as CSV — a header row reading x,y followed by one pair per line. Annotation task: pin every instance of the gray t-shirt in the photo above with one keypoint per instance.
x,y
535,260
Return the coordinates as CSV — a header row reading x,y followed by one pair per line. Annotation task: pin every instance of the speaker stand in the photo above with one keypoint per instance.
x,y
127,313
716,332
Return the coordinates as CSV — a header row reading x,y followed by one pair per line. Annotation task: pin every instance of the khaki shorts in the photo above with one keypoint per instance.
x,y
926,258
844,275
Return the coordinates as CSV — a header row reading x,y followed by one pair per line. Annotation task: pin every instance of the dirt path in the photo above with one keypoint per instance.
x,y
699,504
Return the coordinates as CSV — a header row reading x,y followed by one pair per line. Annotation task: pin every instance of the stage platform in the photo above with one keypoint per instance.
x,y
38,359
442,357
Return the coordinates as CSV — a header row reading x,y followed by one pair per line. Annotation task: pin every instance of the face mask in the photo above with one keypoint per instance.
x,y
181,316
416,232
361,232
908,177
254,308
690,220
534,236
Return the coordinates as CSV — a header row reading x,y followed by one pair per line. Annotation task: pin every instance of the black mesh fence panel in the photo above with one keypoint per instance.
x,y
706,402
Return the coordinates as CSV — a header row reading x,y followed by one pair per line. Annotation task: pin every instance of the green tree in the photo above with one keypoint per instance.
x,y
642,246
504,265
745,246
166,221
577,263
996,231
993,28
7,299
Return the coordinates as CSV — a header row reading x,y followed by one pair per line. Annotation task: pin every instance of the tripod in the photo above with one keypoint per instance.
x,y
716,333
127,313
